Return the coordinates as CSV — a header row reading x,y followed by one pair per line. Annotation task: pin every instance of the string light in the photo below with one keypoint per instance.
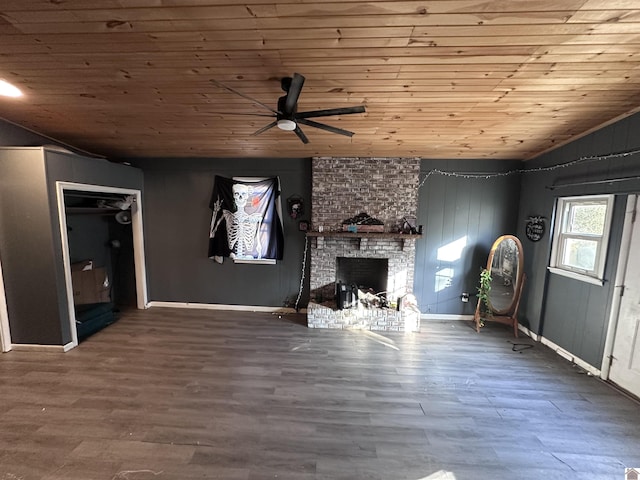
x,y
486,176
304,265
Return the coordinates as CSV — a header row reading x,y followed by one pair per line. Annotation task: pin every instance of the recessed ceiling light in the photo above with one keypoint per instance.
x,y
8,90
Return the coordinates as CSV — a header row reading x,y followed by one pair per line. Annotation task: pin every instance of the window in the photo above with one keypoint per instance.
x,y
581,236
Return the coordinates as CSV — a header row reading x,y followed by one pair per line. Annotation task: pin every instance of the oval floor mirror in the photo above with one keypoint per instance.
x,y
500,290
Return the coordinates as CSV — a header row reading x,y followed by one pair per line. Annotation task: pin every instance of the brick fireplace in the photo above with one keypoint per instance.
x,y
386,189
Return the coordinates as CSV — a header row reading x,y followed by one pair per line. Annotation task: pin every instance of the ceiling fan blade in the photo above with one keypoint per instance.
x,y
301,135
242,114
328,128
331,111
265,128
257,102
294,92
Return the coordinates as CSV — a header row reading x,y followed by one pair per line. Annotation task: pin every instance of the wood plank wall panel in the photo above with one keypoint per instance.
x,y
440,79
571,313
177,220
468,213
26,235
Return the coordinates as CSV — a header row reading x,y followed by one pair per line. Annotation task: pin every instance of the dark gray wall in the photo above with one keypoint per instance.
x,y
30,243
26,249
122,259
88,238
177,194
14,135
90,233
451,208
571,313
177,220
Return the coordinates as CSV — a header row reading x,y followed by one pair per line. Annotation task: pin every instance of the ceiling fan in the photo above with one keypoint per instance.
x,y
287,116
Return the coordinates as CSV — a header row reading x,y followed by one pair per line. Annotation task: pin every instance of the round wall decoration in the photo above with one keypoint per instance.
x,y
535,228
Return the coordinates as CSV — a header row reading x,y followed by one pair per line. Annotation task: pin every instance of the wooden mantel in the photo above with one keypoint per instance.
x,y
362,237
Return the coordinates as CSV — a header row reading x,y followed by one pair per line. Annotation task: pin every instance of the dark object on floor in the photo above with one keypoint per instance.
x,y
346,295
93,317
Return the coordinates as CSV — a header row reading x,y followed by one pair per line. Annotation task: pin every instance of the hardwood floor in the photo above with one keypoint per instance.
x,y
170,394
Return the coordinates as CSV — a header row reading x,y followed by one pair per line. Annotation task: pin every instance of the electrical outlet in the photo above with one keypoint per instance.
x,y
464,297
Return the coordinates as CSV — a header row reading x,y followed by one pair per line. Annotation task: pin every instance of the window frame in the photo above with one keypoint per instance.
x,y
564,206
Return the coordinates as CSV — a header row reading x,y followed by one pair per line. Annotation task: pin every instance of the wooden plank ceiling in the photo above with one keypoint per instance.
x,y
505,79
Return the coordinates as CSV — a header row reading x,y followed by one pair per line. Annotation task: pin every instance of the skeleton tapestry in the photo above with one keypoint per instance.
x,y
246,223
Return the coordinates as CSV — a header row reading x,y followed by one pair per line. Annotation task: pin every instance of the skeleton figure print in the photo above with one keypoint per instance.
x,y
246,221
242,227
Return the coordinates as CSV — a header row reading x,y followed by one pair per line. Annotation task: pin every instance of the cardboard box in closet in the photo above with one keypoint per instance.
x,y
90,285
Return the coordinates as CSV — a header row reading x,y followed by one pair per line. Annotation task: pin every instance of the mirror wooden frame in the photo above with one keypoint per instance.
x,y
508,315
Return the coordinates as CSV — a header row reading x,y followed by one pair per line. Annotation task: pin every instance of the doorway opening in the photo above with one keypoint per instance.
x,y
103,249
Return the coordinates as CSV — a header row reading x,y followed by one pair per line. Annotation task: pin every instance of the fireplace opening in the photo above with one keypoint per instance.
x,y
358,276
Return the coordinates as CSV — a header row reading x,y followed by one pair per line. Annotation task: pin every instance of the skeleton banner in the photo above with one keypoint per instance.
x,y
246,220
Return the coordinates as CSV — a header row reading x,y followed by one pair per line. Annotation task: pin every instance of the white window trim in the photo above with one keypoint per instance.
x,y
575,274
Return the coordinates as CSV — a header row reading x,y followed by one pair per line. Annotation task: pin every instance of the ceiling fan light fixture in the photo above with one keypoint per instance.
x,y
288,125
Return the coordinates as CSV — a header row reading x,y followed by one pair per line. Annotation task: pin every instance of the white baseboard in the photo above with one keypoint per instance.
x,y
571,357
561,351
26,347
529,333
447,317
218,306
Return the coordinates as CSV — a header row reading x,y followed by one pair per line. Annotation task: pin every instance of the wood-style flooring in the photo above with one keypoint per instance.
x,y
168,394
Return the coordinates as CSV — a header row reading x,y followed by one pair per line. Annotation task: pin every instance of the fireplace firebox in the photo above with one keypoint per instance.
x,y
368,274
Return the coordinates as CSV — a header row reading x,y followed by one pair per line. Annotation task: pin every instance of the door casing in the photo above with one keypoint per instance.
x,y
138,245
5,333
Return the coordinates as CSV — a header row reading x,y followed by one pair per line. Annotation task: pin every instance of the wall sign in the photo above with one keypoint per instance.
x,y
535,228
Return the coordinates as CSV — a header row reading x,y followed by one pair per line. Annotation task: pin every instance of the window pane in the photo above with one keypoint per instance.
x,y
587,219
582,235
580,253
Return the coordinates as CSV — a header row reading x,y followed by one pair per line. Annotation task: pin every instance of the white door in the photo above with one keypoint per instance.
x,y
625,364
5,336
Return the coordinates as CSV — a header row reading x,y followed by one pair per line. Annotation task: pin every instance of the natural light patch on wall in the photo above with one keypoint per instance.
x,y
397,284
452,251
443,279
